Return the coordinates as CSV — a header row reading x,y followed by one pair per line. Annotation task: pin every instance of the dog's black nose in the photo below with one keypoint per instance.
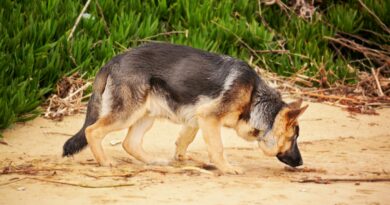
x,y
295,164
289,160
300,163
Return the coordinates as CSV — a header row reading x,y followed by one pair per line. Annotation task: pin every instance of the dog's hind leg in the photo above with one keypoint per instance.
x,y
186,136
95,134
109,123
133,142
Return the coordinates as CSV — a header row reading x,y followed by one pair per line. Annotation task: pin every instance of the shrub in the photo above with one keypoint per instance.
x,y
35,52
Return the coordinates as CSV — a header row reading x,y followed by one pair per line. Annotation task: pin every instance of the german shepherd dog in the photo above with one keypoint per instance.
x,y
191,87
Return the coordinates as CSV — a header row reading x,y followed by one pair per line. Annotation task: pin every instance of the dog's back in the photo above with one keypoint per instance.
x,y
184,72
177,76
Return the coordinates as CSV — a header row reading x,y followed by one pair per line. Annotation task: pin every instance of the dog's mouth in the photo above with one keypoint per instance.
x,y
268,144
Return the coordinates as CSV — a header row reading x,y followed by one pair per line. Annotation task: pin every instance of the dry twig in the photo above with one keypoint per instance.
x,y
380,56
80,184
161,170
127,175
167,34
3,142
149,38
100,10
197,169
375,74
322,96
378,20
332,180
238,38
12,181
58,133
78,19
27,169
361,98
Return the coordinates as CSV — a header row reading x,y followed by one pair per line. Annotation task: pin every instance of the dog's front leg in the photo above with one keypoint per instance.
x,y
211,130
186,136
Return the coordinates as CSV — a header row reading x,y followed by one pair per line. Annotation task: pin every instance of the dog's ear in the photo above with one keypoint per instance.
x,y
295,105
293,114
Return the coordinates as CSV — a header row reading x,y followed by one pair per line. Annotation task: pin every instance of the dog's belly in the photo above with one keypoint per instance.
x,y
158,107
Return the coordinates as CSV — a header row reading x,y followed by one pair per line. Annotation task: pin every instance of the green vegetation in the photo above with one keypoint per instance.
x,y
35,52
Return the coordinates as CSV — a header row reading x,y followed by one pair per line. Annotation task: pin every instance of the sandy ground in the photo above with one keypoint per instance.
x,y
333,143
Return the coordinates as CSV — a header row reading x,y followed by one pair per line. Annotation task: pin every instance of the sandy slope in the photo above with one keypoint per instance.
x,y
334,144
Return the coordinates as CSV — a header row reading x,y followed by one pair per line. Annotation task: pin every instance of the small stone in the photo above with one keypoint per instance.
x,y
115,142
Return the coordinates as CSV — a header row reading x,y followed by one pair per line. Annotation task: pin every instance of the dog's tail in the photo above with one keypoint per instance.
x,y
79,141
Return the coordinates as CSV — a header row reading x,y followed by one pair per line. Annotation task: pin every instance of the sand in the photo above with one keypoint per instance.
x,y
333,143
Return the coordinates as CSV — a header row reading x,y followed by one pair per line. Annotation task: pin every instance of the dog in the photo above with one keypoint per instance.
x,y
198,89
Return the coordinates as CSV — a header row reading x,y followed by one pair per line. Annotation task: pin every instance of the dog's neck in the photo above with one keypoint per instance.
x,y
266,104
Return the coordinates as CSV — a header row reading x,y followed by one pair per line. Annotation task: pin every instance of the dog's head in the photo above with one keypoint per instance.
x,y
281,140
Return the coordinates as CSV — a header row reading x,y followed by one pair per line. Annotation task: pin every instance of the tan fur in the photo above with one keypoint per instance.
x,y
211,130
186,136
296,104
211,118
283,129
109,123
243,129
95,134
133,142
236,108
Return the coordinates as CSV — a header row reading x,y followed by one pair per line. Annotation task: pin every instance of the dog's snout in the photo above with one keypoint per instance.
x,y
292,157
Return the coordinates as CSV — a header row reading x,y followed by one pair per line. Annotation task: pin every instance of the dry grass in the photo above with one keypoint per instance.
x,y
372,90
68,98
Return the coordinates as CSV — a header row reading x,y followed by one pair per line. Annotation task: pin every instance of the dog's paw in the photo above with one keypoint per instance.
x,y
180,157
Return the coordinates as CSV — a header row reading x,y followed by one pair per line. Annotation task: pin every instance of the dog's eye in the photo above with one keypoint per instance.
x,y
255,132
296,131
